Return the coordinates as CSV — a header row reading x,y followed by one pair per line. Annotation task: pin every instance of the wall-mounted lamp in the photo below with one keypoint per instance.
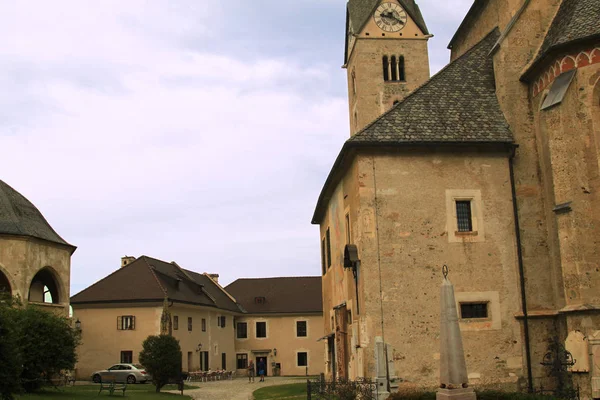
x,y
274,352
78,325
199,348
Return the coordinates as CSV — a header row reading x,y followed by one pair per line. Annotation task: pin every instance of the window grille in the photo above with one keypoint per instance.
x,y
126,323
242,330
473,310
127,357
463,216
301,328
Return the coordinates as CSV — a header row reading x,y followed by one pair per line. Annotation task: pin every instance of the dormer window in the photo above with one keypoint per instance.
x,y
259,300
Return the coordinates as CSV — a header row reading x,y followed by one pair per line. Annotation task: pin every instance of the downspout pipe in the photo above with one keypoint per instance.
x,y
521,269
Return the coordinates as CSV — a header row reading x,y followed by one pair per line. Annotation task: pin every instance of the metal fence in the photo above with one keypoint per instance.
x,y
361,389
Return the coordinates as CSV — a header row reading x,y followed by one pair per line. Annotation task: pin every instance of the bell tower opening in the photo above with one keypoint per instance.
x,y
386,56
44,288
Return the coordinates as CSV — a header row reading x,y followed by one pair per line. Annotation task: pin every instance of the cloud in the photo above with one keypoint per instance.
x,y
199,132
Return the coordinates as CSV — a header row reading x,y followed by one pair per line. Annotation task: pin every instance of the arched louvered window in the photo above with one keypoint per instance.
x,y
386,69
401,70
394,69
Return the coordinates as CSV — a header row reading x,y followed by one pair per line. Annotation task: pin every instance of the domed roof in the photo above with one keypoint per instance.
x,y
18,216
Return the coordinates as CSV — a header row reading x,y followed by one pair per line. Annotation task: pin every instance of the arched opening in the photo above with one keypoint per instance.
x,y
394,69
401,70
5,289
386,68
44,288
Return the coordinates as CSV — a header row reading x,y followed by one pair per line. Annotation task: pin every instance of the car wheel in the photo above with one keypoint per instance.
x,y
131,379
97,378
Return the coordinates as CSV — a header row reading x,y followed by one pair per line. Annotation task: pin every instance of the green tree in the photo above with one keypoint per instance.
x,y
10,355
47,343
161,356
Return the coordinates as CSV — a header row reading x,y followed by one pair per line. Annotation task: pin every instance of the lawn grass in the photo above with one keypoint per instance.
x,y
91,392
290,391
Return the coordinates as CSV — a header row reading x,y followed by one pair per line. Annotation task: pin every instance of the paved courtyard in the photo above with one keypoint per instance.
x,y
236,389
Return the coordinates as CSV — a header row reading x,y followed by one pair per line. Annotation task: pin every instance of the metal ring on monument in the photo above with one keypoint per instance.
x,y
445,271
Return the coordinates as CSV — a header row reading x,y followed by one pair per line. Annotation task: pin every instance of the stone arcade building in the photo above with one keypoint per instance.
x,y
492,167
35,262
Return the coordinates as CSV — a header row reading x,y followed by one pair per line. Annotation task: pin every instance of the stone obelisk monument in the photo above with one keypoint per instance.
x,y
453,368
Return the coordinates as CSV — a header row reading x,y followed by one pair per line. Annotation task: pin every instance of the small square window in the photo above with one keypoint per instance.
x,y
464,219
190,324
301,328
303,359
261,329
473,310
175,322
127,357
260,300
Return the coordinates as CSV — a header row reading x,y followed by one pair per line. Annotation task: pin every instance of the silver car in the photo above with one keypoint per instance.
x,y
130,373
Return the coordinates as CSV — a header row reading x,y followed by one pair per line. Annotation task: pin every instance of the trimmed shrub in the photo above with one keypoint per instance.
x,y
161,356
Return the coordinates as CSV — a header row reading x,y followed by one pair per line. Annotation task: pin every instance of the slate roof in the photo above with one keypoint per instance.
x,y
457,105
148,279
361,10
18,216
575,21
282,295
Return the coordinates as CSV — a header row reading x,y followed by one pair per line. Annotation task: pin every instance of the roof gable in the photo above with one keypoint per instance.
x,y
285,295
457,105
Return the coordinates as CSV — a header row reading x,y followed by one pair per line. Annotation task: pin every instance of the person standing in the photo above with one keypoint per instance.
x,y
261,369
251,371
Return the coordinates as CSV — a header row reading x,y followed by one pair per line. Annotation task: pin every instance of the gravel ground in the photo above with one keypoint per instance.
x,y
236,389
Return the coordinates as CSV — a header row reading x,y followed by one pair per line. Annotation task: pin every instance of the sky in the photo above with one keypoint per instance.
x,y
195,131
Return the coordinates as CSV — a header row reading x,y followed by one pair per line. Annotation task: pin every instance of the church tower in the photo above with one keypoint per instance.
x,y
386,56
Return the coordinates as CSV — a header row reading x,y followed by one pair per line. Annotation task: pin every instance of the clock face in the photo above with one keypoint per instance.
x,y
390,17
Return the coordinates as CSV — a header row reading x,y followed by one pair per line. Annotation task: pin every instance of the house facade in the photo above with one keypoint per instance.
x,y
35,262
490,167
117,313
282,324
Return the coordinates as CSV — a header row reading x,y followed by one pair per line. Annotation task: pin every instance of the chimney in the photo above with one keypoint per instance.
x,y
125,261
214,277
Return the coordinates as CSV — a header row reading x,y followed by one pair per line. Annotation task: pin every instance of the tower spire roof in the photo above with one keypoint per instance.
x,y
359,12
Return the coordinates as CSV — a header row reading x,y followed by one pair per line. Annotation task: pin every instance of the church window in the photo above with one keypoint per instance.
x,y
328,244
348,236
463,216
355,119
559,89
401,70
386,69
354,82
394,69
323,257
473,310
